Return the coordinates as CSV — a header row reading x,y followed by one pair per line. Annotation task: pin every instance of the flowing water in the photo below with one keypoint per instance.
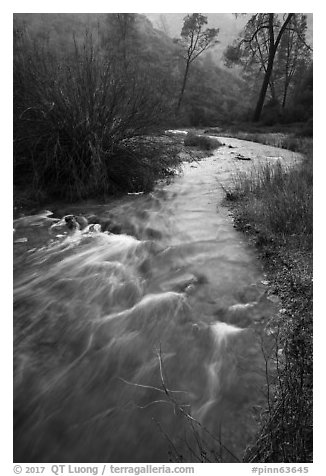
x,y
143,346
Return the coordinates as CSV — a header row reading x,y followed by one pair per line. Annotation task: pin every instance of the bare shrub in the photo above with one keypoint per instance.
x,y
73,117
286,427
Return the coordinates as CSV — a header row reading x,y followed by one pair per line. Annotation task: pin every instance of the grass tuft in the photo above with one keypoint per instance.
x,y
202,142
276,198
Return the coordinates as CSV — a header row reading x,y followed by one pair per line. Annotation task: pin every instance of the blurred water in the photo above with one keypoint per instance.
x,y
120,340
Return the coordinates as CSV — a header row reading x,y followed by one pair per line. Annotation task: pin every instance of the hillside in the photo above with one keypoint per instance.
x,y
221,90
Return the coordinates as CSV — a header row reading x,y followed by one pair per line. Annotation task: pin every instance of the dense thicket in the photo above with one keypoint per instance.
x,y
78,111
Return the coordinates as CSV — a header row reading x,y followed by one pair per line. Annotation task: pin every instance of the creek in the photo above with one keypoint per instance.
x,y
143,346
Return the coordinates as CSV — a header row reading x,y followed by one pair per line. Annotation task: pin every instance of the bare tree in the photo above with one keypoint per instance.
x,y
260,42
194,41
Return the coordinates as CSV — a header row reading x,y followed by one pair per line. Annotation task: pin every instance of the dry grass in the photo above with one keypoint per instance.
x,y
273,205
277,199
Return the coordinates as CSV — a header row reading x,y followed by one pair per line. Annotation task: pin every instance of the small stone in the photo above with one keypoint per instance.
x,y
242,157
95,227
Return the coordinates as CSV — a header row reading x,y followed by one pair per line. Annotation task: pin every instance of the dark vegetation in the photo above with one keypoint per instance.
x,y
202,142
92,96
273,206
80,120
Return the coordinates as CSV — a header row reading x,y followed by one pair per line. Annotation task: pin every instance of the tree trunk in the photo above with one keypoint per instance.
x,y
272,88
271,56
285,92
185,77
285,96
263,90
269,69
